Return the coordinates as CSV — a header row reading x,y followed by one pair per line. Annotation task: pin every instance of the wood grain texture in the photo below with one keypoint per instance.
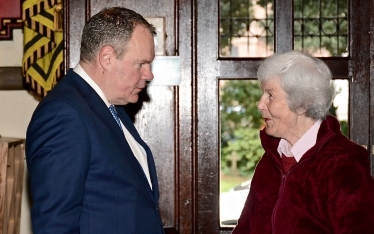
x,y
186,159
11,184
181,123
283,25
371,114
207,114
155,123
360,73
154,114
11,78
75,18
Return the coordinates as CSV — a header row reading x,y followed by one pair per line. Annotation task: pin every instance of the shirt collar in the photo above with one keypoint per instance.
x,y
82,73
307,141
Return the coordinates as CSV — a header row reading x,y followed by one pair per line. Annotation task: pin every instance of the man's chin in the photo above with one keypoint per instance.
x,y
133,99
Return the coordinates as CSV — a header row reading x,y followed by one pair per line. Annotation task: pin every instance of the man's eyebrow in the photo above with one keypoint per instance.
x,y
143,61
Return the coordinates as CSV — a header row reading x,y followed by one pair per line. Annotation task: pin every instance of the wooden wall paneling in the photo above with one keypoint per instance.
x,y
283,25
186,119
338,67
147,8
74,20
11,183
371,114
11,78
209,68
155,118
155,123
237,69
3,172
359,70
207,115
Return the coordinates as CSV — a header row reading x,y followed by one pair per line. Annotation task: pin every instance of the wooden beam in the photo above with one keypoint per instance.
x,y
11,78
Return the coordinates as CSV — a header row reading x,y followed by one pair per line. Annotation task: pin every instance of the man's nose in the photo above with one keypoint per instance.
x,y
148,75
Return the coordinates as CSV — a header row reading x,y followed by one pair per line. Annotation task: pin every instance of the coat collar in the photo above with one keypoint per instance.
x,y
99,107
328,129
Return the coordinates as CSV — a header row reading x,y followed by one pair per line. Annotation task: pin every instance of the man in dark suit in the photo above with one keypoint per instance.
x,y
90,172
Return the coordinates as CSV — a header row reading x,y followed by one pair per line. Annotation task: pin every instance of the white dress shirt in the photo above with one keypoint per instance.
x,y
306,141
136,148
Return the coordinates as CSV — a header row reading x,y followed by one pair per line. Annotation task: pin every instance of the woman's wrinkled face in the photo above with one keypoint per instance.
x,y
280,120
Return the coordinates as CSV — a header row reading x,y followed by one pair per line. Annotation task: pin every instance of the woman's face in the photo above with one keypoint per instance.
x,y
280,120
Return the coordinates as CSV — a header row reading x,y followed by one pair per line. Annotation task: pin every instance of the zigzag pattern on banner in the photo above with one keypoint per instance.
x,y
43,44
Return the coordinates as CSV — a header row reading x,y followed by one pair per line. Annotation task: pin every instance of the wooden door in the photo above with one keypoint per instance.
x,y
211,68
163,115
181,123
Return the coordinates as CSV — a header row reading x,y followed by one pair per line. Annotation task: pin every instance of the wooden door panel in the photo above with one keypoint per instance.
x,y
210,68
359,69
154,114
181,123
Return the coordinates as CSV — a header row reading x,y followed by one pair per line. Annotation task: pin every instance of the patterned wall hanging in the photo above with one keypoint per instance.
x,y
10,18
43,43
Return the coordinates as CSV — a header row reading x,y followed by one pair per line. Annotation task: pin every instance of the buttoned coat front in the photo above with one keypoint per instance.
x,y
84,177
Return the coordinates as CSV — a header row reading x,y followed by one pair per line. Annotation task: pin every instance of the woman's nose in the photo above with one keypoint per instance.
x,y
261,104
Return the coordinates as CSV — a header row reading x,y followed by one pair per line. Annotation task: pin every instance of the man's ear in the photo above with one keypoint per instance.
x,y
106,56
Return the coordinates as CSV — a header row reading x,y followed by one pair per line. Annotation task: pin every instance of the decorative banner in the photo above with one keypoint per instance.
x,y
43,43
10,18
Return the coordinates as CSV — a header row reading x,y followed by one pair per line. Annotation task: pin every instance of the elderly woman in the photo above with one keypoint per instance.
x,y
311,179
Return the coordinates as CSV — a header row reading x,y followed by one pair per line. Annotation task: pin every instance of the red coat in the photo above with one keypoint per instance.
x,y
330,190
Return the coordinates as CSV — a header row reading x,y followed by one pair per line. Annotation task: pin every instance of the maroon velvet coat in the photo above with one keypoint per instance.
x,y
330,190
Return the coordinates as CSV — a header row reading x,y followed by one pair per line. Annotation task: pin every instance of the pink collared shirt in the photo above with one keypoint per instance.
x,y
306,141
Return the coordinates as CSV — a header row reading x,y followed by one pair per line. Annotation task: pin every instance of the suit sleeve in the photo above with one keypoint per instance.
x,y
57,154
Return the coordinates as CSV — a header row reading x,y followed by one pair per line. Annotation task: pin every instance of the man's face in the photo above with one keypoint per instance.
x,y
280,120
128,76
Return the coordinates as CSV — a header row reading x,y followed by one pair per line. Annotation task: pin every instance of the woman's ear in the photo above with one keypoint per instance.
x,y
106,56
301,111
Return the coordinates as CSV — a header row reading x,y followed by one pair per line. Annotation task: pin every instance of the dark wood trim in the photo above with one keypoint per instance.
x,y
66,35
11,78
207,151
185,172
338,67
170,230
371,120
359,68
283,25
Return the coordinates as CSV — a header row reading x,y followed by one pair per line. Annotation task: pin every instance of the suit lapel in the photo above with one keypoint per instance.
x,y
151,165
100,109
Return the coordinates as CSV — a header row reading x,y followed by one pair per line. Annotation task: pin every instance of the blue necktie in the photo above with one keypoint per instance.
x,y
112,109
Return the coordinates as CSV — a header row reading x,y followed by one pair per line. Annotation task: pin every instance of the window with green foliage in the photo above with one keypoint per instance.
x,y
241,122
247,28
321,27
247,31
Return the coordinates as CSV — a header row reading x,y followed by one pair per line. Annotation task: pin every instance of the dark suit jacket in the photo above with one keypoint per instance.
x,y
84,177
